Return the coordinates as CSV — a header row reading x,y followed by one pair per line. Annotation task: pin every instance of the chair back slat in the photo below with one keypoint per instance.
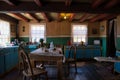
x,y
26,62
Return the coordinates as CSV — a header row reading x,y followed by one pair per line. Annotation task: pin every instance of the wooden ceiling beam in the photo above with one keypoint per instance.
x,y
99,17
110,4
68,2
38,3
9,2
21,17
45,16
111,16
7,17
59,17
84,17
72,17
55,7
34,17
97,3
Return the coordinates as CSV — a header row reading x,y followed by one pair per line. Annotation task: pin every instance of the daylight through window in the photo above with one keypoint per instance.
x,y
4,33
79,33
37,32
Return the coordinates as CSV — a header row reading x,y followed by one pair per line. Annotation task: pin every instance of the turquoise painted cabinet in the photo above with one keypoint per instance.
x,y
117,64
8,59
79,55
30,48
89,51
2,65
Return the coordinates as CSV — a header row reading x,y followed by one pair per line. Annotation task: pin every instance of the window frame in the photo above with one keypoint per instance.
x,y
72,25
9,35
30,39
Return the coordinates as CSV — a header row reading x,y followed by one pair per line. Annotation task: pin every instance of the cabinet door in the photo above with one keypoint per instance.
x,y
2,65
117,67
11,59
80,53
15,57
97,53
88,53
117,64
8,61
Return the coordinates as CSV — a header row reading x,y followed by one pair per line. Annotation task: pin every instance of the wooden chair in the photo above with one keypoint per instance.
x,y
28,71
71,58
22,46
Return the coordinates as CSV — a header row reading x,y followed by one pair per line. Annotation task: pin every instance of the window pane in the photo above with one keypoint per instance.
x,y
4,32
37,32
79,33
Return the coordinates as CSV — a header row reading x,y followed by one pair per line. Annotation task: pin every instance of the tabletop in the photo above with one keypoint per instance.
x,y
107,59
48,53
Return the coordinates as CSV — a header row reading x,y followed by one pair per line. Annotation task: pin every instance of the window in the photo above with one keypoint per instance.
x,y
37,32
79,33
4,32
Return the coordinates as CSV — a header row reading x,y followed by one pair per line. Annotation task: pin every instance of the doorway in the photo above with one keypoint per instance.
x,y
111,38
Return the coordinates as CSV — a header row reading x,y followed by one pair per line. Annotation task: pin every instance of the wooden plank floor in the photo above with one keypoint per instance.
x,y
86,71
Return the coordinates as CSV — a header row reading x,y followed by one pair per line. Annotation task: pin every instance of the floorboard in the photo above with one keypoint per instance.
x,y
86,71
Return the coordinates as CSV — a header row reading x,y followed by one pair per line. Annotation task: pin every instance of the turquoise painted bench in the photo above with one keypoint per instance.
x,y
89,51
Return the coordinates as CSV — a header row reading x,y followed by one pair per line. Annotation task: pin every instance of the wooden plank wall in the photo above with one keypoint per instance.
x,y
58,29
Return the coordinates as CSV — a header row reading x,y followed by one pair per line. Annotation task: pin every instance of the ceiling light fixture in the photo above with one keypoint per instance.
x,y
65,15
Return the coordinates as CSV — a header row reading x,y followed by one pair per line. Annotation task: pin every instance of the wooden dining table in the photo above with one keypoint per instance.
x,y
48,55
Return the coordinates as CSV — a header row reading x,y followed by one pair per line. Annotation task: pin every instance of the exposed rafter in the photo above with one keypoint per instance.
x,y
97,3
44,15
99,17
34,17
6,17
9,2
56,7
68,2
38,3
110,4
47,9
21,17
110,16
72,16
59,17
84,17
